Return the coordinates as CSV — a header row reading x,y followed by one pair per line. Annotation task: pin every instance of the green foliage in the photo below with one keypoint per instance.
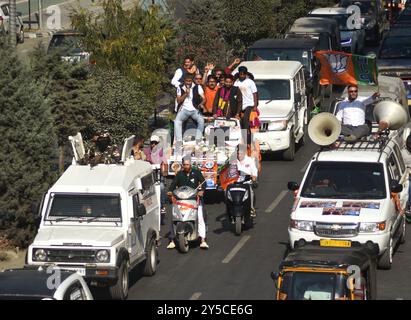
x,y
120,106
130,41
28,148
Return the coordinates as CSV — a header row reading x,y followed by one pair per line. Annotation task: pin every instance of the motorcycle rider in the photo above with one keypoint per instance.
x,y
247,166
193,178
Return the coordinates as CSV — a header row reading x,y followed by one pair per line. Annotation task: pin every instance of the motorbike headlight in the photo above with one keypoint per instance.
x,y
302,225
368,227
229,197
277,125
103,256
245,196
40,255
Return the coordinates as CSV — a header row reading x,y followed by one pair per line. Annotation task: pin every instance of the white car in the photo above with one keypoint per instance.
x,y
4,21
100,221
42,284
282,104
352,40
353,193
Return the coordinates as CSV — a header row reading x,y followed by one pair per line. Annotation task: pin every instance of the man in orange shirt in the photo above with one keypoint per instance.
x,y
210,91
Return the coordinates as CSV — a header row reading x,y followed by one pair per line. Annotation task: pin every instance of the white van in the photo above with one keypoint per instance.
x,y
100,221
353,192
282,104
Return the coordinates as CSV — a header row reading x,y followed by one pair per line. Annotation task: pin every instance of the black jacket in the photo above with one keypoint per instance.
x,y
192,179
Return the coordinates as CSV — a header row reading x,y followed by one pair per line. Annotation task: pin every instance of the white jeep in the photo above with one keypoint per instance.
x,y
353,192
100,221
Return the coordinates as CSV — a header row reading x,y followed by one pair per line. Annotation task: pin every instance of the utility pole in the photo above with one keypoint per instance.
x,y
12,23
40,3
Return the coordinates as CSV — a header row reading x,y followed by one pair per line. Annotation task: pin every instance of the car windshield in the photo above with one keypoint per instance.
x,y
340,18
313,286
68,44
273,89
345,180
300,55
366,7
80,206
324,38
396,47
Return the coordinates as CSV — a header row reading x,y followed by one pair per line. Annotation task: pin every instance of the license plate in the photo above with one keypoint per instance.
x,y
409,102
335,243
80,271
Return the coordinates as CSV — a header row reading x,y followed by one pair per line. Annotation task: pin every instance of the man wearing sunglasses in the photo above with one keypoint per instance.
x,y
351,113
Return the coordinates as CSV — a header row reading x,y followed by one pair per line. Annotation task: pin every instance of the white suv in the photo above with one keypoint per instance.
x,y
4,21
353,193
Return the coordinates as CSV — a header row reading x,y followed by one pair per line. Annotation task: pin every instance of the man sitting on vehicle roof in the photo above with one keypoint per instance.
x,y
351,112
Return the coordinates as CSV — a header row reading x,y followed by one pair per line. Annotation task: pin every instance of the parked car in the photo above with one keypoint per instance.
x,y
101,221
43,284
354,193
4,21
322,270
326,30
292,49
352,40
68,44
373,17
394,56
282,105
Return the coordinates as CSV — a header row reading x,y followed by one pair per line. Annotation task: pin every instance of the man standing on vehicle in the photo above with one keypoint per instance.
x,y
193,178
190,99
351,113
247,166
250,99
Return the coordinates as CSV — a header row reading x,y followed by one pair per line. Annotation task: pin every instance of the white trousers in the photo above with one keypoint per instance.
x,y
201,223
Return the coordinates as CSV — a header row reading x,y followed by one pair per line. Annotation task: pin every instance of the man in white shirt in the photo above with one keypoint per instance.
x,y
190,99
250,99
351,112
247,166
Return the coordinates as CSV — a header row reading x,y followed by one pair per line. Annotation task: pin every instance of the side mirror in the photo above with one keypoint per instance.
x,y
292,186
297,97
274,275
396,187
141,210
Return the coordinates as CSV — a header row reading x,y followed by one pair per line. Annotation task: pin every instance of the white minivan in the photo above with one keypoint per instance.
x,y
282,102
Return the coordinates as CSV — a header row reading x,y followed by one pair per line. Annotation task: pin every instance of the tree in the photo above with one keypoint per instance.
x,y
130,41
27,155
120,106
69,89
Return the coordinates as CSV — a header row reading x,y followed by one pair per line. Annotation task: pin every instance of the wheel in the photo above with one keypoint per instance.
x,y
238,226
150,267
20,37
289,153
182,243
304,138
403,231
385,260
120,290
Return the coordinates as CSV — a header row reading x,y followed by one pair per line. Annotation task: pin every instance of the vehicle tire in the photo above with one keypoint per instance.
x,y
182,243
304,138
385,260
403,231
20,37
289,153
119,291
238,226
150,266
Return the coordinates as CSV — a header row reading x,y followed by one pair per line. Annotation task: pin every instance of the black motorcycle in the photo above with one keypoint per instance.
x,y
238,202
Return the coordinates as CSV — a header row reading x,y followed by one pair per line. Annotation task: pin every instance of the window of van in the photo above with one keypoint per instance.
x,y
147,183
400,159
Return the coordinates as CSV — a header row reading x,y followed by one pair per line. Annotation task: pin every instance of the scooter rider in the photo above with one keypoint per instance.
x,y
247,166
193,178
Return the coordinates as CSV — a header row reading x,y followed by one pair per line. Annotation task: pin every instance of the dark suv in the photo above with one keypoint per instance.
x,y
373,17
68,44
292,49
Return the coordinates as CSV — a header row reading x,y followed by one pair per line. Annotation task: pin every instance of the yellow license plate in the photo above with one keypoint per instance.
x,y
335,243
409,102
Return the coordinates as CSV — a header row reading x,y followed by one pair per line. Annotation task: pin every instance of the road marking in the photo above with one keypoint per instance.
x,y
237,248
305,166
276,201
196,296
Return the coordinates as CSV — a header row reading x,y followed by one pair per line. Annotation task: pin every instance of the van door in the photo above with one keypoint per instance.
x,y
394,175
136,241
403,177
296,103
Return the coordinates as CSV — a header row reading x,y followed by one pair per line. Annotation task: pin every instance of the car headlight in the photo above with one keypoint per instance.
x,y
368,227
103,256
40,255
277,125
302,225
245,196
